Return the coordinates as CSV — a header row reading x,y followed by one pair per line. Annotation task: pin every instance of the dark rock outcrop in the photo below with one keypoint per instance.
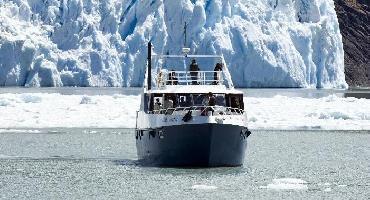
x,y
354,20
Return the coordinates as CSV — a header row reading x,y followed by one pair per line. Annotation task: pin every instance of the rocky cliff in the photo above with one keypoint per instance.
x,y
354,20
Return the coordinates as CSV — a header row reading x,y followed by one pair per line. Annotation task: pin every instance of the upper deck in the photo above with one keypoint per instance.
x,y
211,75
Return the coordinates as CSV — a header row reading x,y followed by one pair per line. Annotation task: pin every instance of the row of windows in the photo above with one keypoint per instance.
x,y
165,101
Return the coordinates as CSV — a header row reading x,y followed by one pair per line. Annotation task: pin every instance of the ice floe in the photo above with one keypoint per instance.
x,y
286,184
53,110
203,187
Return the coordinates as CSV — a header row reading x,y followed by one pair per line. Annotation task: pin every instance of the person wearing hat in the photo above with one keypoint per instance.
x,y
194,68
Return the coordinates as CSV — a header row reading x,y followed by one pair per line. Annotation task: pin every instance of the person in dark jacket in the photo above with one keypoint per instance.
x,y
211,102
211,99
217,73
194,68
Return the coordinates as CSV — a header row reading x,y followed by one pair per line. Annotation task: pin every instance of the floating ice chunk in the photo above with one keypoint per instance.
x,y
4,156
19,131
31,98
325,184
4,102
87,100
287,184
327,190
334,115
203,187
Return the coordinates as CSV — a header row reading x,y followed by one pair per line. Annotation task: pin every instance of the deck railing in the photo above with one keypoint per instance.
x,y
200,111
165,78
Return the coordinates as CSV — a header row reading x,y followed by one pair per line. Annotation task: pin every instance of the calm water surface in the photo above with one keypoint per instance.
x,y
101,164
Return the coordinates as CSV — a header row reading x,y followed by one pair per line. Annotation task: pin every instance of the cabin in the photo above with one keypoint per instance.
x,y
178,91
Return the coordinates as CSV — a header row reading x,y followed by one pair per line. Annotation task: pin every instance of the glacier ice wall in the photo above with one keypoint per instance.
x,y
266,43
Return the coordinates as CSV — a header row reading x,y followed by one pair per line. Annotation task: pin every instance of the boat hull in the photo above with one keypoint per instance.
x,y
192,145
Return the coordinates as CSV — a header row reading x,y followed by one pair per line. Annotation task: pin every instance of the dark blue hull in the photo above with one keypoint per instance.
x,y
193,145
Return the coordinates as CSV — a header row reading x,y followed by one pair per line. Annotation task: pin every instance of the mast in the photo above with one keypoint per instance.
x,y
185,26
149,79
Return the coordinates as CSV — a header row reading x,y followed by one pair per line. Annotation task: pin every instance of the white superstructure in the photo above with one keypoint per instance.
x,y
187,92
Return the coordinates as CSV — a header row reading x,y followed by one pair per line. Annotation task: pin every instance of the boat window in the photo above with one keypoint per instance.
x,y
198,99
220,100
169,101
185,100
236,101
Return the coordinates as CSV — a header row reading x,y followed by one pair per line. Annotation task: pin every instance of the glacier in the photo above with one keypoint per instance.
x,y
266,43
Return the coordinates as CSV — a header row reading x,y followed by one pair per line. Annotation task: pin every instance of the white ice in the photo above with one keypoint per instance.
x,y
286,184
203,187
266,43
42,110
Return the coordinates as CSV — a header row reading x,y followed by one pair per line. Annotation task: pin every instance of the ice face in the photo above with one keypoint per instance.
x,y
266,43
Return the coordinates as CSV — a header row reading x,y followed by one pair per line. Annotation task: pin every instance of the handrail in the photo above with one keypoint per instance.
x,y
165,78
221,110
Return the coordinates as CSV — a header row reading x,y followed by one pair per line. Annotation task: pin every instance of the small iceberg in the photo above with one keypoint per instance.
x,y
286,184
203,187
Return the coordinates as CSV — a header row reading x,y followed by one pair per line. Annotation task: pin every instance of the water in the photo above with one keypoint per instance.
x,y
101,163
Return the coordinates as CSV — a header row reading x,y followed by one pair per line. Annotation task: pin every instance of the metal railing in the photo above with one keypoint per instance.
x,y
200,111
190,78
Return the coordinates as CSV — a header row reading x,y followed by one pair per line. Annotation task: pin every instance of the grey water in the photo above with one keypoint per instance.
x,y
102,164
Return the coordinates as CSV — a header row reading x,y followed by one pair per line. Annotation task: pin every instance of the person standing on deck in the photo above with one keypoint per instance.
x,y
194,68
217,74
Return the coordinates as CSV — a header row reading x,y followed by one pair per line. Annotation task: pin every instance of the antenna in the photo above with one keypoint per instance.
x,y
185,50
185,26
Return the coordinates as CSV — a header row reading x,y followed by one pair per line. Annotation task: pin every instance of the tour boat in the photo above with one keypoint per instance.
x,y
190,118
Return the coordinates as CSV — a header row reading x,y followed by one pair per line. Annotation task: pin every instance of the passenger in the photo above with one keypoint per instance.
x,y
235,105
210,102
157,105
167,105
217,73
211,99
182,102
194,72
